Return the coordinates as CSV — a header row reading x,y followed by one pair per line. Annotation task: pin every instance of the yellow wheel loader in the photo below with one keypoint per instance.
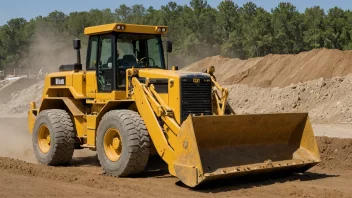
x,y
127,103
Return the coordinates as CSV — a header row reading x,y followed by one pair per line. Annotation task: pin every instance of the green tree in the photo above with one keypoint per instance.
x,y
196,29
15,36
77,21
336,34
153,17
98,17
171,16
229,29
348,31
200,28
287,29
314,28
123,13
57,20
262,34
137,14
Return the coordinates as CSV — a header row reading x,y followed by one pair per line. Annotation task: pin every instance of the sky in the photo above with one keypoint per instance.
x,y
29,9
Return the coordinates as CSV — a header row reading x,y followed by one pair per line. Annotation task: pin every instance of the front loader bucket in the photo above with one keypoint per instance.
x,y
212,147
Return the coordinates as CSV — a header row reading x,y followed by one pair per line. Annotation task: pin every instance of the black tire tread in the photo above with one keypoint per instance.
x,y
64,134
139,142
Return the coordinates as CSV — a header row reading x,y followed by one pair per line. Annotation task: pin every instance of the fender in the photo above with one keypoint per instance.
x,y
78,113
74,106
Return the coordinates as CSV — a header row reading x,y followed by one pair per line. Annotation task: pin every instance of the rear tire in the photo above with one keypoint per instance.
x,y
122,143
53,137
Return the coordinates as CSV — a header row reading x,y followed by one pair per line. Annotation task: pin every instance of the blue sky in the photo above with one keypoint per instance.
x,y
29,9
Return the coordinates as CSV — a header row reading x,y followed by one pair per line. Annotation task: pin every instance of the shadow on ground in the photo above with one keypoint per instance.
x,y
254,181
85,161
157,168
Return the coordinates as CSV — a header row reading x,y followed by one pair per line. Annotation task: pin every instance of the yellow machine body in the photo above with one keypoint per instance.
x,y
197,147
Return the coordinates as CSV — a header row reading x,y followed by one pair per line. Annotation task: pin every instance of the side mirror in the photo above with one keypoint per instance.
x,y
77,44
168,46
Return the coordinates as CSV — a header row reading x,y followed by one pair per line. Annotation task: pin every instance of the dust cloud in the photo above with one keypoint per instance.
x,y
48,50
15,140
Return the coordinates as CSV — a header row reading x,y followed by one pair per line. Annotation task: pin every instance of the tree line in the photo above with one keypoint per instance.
x,y
199,30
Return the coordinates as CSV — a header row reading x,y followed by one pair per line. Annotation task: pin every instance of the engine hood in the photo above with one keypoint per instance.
x,y
160,73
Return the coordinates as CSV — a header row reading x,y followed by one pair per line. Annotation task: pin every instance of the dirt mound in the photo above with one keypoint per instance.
x,y
327,101
4,83
10,87
335,153
15,97
279,70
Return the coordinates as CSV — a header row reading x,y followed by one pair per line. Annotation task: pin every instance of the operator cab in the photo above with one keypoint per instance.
x,y
110,53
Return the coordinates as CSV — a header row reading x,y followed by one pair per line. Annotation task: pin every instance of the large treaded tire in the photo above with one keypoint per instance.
x,y
135,143
62,135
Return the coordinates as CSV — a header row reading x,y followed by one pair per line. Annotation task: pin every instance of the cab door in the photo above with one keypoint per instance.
x,y
100,66
105,70
91,63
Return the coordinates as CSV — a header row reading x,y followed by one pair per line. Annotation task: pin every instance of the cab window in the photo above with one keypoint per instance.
x,y
154,52
93,52
105,70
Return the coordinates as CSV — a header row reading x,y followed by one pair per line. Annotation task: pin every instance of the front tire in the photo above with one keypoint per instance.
x,y
53,137
122,143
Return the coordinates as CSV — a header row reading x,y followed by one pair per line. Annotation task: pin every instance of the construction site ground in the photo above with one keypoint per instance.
x,y
318,82
83,177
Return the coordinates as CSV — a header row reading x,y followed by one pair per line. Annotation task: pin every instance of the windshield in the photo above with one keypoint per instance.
x,y
139,50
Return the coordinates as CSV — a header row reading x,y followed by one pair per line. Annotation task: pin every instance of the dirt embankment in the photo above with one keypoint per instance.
x,y
335,153
279,70
332,178
327,101
15,86
318,82
15,96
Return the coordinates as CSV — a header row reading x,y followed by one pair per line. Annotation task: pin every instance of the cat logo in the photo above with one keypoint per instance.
x,y
196,80
58,81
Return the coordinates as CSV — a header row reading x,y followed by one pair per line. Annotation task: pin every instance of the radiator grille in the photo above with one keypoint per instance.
x,y
195,97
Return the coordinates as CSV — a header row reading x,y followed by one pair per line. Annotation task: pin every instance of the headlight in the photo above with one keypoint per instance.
x,y
120,27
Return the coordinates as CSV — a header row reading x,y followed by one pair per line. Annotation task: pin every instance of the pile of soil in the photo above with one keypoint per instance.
x,y
335,153
279,70
326,100
16,96
325,97
4,83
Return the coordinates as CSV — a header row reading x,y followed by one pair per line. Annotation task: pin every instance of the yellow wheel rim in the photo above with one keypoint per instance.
x,y
44,138
112,144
